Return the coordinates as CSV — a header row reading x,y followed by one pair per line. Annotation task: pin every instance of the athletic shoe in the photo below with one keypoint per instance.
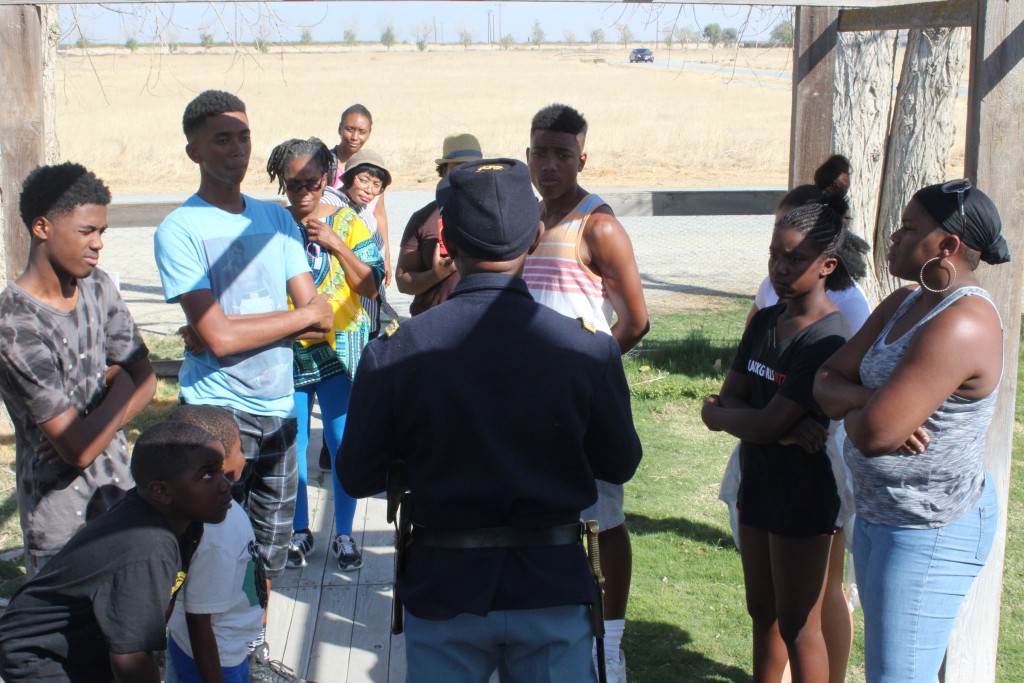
x,y
344,547
263,669
615,669
325,458
300,547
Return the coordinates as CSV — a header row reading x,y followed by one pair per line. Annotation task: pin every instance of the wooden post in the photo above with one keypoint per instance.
x,y
814,65
22,125
995,122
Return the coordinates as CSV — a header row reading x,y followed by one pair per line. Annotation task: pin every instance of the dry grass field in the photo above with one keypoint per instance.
x,y
711,123
651,126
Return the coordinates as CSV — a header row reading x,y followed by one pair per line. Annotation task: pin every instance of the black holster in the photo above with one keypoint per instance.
x,y
399,513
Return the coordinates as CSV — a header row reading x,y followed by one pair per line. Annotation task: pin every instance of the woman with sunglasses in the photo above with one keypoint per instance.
x,y
917,388
347,267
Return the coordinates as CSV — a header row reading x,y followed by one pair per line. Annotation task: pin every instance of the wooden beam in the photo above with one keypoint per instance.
x,y
791,3
21,123
147,214
947,13
694,203
814,67
995,124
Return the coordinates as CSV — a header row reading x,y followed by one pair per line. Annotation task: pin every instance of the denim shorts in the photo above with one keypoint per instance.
x,y
912,583
608,510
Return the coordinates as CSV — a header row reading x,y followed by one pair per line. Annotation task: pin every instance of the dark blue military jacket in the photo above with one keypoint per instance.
x,y
504,411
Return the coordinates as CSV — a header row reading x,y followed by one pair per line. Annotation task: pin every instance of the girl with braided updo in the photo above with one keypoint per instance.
x,y
788,501
346,264
831,178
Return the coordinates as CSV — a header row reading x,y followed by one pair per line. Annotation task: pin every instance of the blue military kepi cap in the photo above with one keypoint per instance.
x,y
488,209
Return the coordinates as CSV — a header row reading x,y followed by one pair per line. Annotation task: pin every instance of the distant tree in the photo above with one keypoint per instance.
x,y
667,36
537,36
349,37
206,40
387,36
625,35
730,36
507,41
597,36
782,33
131,44
422,34
261,44
466,38
83,43
570,37
713,34
685,34
307,37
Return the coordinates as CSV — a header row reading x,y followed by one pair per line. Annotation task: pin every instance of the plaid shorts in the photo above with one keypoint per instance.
x,y
268,483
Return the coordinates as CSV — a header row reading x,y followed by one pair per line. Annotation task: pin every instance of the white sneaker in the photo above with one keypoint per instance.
x,y
615,669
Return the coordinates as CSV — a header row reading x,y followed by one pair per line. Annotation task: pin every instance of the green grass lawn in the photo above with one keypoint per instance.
x,y
687,620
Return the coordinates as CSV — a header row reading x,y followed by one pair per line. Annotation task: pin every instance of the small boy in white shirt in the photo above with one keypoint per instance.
x,y
220,609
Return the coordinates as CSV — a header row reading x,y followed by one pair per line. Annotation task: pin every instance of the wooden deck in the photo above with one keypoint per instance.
x,y
334,626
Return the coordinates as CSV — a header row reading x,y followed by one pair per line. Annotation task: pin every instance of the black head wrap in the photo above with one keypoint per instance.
x,y
980,227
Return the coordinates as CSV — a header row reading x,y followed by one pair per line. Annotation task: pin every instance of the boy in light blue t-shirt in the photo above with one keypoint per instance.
x,y
232,262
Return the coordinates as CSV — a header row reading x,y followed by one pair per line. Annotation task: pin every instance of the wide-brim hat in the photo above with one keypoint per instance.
x,y
489,209
458,149
367,157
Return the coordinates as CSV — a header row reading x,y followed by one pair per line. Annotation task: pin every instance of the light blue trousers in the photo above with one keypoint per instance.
x,y
549,645
912,583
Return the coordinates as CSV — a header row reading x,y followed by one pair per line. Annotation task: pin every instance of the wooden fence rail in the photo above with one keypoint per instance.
x,y
149,213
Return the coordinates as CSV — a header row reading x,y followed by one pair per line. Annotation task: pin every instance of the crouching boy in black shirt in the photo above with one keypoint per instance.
x,y
98,608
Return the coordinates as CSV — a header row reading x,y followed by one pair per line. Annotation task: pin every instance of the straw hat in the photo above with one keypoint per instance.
x,y
366,157
458,149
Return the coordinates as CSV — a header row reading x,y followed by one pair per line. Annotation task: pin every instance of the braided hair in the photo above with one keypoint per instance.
x,y
825,221
823,224
313,148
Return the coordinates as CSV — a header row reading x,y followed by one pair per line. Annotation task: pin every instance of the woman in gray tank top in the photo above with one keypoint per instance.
x,y
917,387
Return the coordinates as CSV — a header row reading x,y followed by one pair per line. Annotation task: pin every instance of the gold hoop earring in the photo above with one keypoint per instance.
x,y
920,278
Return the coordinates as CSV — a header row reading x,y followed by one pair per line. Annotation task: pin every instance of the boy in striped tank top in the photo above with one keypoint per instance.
x,y
584,268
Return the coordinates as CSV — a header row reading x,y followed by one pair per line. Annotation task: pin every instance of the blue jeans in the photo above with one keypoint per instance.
x,y
182,669
548,645
912,583
333,394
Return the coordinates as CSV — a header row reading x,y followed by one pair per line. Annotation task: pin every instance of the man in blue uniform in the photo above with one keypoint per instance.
x,y
504,413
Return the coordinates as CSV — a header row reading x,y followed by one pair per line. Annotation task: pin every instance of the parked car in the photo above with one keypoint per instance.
x,y
641,54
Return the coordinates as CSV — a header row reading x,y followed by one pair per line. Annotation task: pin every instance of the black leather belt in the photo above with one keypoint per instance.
x,y
497,537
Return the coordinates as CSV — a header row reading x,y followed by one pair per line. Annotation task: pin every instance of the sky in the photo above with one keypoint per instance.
x,y
328,21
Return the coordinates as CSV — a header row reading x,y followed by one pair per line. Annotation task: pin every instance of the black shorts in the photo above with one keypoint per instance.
x,y
787,491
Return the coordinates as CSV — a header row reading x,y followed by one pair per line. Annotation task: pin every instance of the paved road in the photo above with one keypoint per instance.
x,y
683,261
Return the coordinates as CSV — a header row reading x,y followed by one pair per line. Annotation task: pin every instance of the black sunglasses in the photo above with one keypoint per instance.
x,y
308,185
961,188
